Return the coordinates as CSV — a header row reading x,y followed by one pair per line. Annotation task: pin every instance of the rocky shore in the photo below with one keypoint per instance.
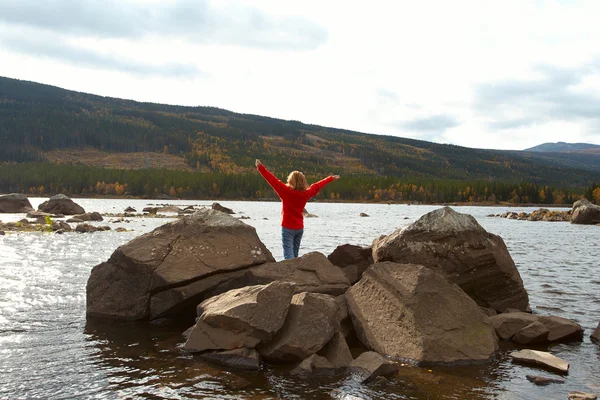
x,y
583,212
440,291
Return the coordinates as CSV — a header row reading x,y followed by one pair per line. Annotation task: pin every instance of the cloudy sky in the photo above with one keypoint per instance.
x,y
487,74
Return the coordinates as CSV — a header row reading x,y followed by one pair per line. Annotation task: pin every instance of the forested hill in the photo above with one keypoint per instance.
x,y
37,120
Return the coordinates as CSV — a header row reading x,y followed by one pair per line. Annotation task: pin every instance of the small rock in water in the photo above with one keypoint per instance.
x,y
582,396
362,214
541,358
543,380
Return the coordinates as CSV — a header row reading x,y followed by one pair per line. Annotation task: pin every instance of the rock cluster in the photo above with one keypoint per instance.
x,y
417,295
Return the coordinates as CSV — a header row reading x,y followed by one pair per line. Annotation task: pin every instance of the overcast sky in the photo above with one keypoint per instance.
x,y
487,74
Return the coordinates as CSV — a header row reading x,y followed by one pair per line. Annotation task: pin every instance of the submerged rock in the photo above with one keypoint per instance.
x,y
236,358
369,365
457,247
541,358
408,311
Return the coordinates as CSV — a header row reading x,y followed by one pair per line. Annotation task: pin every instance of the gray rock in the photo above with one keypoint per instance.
x,y
457,247
541,358
61,204
310,324
242,317
62,226
15,203
176,255
408,311
86,228
370,365
585,212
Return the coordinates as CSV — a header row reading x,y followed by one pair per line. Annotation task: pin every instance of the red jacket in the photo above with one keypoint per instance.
x,y
293,201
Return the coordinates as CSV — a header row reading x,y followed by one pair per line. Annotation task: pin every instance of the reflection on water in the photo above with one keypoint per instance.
x,y
49,350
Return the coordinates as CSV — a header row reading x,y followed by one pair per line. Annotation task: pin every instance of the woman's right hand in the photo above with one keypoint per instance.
x,y
257,163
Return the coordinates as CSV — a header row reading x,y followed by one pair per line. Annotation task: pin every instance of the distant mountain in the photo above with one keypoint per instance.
x,y
562,146
44,123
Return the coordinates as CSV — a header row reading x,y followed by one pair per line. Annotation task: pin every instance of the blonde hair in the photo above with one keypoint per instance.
x,y
297,181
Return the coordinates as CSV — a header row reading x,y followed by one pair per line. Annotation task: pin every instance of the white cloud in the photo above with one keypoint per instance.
x,y
508,74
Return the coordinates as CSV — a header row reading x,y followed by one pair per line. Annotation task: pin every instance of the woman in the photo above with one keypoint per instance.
x,y
294,195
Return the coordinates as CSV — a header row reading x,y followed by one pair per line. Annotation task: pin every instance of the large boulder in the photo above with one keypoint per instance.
x,y
585,212
310,273
409,311
352,259
309,326
457,247
15,203
61,204
196,247
240,318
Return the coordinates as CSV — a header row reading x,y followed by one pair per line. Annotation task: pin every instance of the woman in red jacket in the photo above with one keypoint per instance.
x,y
294,195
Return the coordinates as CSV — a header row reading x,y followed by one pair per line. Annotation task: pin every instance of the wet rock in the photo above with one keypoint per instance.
x,y
15,203
236,358
541,358
596,334
242,317
433,321
577,395
218,207
309,325
61,204
150,210
562,329
585,212
457,247
370,365
173,256
352,259
130,210
314,365
74,220
543,380
2,233
362,214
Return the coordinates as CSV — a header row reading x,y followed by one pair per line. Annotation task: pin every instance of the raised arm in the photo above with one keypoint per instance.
x,y
271,179
315,187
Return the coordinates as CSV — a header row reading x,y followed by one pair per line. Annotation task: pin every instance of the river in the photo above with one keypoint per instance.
x,y
49,351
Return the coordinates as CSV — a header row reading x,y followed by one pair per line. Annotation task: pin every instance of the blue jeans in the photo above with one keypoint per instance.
x,y
290,240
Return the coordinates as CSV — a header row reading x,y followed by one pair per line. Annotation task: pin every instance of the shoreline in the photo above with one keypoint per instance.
x,y
275,200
